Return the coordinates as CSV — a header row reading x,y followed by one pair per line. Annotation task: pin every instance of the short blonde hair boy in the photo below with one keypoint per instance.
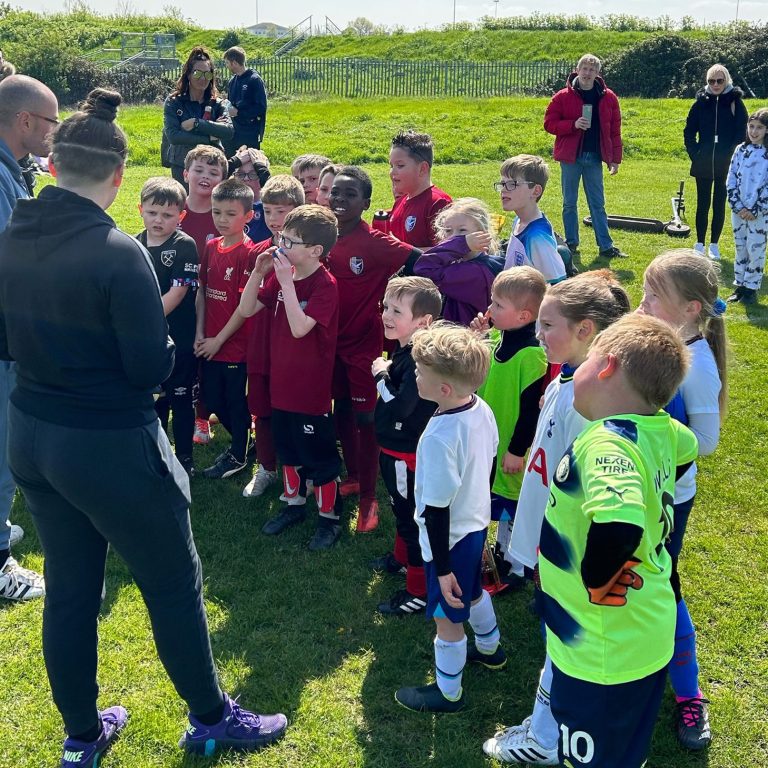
x,y
282,190
524,286
304,163
454,353
590,58
424,296
207,154
652,356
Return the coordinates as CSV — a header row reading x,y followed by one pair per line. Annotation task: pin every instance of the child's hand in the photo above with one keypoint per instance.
x,y
264,265
746,215
380,365
478,241
282,267
481,323
511,464
207,348
451,590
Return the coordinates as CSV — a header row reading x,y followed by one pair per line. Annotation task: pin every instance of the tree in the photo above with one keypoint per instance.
x,y
362,26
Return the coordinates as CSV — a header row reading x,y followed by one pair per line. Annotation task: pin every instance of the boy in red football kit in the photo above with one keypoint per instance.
x,y
303,302
280,195
221,337
204,167
362,261
307,168
418,200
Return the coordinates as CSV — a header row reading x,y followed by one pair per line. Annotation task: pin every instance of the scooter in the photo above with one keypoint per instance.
x,y
674,228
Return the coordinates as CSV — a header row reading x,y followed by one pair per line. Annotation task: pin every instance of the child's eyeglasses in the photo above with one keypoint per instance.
x,y
247,176
287,243
199,74
511,185
716,80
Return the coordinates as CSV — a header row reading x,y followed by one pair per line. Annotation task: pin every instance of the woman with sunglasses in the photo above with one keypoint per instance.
x,y
193,113
716,123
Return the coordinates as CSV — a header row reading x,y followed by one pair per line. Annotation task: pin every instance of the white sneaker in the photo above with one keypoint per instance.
x,y
714,252
699,248
516,745
17,534
17,583
259,483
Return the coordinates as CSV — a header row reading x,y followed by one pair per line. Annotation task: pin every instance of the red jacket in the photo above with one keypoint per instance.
x,y
565,109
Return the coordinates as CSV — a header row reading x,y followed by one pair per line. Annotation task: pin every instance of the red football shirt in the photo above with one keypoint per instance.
x,y
413,218
223,275
258,341
301,369
362,262
200,227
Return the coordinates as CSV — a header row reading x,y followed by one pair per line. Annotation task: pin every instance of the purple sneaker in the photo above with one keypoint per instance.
x,y
87,754
239,729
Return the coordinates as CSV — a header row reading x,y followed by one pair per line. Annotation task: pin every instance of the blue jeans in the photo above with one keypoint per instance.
x,y
589,168
7,483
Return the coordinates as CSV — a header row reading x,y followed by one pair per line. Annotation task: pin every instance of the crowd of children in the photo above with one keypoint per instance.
x,y
537,401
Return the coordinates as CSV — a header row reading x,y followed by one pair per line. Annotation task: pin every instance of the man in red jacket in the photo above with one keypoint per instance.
x,y
586,121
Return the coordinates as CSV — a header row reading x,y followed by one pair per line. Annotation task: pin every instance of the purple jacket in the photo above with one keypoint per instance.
x,y
465,285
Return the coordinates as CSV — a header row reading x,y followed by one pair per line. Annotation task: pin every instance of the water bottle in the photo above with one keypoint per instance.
x,y
208,112
381,221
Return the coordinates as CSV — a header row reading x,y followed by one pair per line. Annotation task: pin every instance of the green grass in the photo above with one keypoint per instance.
x,y
297,632
478,45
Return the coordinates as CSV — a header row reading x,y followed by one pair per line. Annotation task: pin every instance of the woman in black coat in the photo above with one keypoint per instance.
x,y
194,114
717,122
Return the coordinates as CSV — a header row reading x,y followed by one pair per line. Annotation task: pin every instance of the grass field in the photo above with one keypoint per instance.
x,y
298,632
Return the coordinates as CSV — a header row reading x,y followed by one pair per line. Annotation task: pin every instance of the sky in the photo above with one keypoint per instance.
x,y
410,14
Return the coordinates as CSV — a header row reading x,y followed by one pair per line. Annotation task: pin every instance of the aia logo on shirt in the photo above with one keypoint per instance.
x,y
410,223
356,265
228,273
167,257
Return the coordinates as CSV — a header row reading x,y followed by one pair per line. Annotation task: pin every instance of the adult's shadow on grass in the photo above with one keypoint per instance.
x,y
403,655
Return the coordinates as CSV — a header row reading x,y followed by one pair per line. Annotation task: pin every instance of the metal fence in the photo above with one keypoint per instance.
x,y
360,78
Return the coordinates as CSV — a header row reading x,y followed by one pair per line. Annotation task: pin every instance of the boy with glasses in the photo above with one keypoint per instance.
x,y
300,295
523,179
251,166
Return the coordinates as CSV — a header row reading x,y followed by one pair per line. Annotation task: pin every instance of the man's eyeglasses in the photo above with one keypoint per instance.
x,y
512,184
246,176
199,74
54,120
716,80
287,243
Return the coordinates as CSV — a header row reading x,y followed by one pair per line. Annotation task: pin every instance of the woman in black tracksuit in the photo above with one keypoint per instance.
x,y
716,123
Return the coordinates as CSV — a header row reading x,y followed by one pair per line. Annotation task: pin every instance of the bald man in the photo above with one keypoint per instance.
x,y
29,112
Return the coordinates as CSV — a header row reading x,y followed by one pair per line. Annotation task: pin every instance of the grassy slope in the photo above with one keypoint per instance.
x,y
297,631
483,45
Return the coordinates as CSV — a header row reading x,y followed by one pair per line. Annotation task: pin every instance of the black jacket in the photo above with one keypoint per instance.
x,y
80,313
401,415
248,94
715,125
177,109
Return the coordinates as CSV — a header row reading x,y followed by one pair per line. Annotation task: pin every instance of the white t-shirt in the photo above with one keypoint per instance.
x,y
454,459
558,426
700,391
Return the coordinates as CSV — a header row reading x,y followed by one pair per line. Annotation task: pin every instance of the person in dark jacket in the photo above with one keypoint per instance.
x,y
248,102
586,121
194,114
81,314
717,122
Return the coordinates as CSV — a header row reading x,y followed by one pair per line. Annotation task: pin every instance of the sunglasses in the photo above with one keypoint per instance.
x,y
199,74
512,184
716,80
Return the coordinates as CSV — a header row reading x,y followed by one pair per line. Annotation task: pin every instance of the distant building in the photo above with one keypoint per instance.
x,y
267,30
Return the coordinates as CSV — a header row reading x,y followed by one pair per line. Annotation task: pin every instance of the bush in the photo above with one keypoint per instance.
x,y
228,39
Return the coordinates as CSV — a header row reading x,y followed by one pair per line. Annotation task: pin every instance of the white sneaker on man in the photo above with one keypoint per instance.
x,y
714,252
259,483
17,583
517,745
17,534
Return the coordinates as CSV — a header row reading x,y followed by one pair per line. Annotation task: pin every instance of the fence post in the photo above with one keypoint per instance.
x,y
346,77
